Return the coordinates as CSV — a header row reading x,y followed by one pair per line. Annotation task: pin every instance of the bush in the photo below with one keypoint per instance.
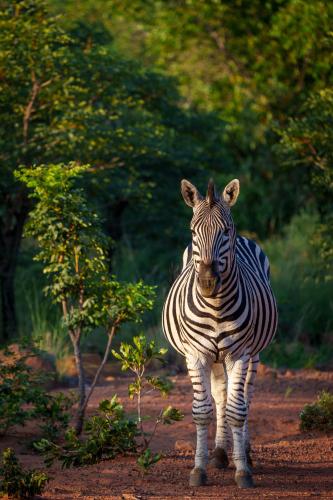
x,y
23,397
303,295
106,435
17,483
318,415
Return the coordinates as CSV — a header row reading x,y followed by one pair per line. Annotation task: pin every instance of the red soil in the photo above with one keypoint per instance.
x,y
287,463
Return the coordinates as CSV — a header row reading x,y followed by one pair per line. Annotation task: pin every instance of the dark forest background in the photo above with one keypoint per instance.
x,y
150,92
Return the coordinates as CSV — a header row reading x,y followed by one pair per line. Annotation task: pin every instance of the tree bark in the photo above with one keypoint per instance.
x,y
11,229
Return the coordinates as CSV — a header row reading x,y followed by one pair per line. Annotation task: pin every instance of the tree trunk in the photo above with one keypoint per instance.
x,y
81,385
11,229
100,368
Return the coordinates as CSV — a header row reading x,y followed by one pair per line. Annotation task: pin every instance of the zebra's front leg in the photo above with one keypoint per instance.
x,y
236,413
202,412
219,392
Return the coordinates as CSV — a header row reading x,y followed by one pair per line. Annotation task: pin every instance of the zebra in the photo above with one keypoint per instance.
x,y
220,313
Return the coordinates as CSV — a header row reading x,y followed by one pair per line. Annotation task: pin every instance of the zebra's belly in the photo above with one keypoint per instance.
x,y
219,338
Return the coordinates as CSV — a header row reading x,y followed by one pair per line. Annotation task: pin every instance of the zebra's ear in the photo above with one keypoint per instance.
x,y
190,193
231,192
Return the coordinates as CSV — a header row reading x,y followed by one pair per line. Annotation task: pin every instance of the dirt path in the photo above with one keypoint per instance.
x,y
287,464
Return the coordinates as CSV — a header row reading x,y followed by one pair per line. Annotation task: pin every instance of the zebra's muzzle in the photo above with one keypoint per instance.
x,y
207,279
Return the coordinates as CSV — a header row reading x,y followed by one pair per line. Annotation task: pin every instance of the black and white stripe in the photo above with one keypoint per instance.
x,y
220,332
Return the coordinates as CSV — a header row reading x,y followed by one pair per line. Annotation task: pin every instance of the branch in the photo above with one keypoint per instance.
x,y
316,158
36,87
220,44
101,366
158,420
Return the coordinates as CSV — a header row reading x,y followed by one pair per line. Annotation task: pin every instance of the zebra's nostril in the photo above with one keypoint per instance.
x,y
207,284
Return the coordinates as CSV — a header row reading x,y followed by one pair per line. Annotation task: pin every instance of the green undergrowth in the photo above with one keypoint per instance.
x,y
112,431
303,292
281,354
15,482
24,398
318,415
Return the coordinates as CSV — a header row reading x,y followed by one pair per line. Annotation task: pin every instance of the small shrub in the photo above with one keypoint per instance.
x,y
318,415
23,397
53,413
17,483
147,459
106,435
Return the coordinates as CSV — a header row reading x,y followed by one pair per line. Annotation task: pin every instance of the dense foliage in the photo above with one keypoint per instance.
x,y
76,98
150,92
253,64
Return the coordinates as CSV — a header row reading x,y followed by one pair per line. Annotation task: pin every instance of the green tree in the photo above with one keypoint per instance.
x,y
31,50
253,63
68,95
73,250
307,143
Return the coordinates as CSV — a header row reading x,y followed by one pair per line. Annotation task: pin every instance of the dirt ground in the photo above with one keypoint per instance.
x,y
287,463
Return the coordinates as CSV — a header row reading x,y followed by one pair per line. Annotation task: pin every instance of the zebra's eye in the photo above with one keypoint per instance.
x,y
226,231
193,232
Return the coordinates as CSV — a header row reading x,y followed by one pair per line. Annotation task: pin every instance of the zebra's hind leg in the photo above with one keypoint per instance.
x,y
219,458
236,413
202,412
248,393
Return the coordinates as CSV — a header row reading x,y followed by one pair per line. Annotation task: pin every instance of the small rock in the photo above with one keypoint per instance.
x,y
184,446
264,371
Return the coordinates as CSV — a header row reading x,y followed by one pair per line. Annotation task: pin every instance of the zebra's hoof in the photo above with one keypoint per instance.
x,y
198,477
244,479
219,459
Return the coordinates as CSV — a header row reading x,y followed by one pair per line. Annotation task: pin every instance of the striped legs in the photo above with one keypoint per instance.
x,y
236,414
202,412
248,392
219,392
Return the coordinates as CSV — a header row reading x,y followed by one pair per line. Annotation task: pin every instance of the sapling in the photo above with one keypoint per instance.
x,y
137,357
74,250
112,432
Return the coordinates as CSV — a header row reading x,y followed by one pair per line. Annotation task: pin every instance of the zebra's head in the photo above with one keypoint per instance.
x,y
213,233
